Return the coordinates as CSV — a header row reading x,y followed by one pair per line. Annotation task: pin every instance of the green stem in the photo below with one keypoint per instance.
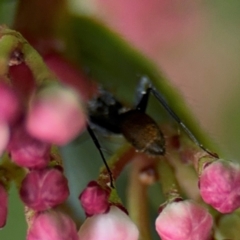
x,y
137,197
11,172
8,44
167,178
116,164
185,160
186,177
11,40
36,64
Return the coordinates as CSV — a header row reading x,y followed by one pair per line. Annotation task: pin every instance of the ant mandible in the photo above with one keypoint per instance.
x,y
135,125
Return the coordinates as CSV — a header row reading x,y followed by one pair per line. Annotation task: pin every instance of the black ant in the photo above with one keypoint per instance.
x,y
135,125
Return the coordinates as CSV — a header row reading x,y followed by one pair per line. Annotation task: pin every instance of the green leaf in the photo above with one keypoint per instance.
x,y
118,67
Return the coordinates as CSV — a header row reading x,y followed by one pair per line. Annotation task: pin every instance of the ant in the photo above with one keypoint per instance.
x,y
135,125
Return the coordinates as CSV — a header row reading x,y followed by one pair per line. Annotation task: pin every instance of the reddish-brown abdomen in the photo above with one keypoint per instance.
x,y
142,132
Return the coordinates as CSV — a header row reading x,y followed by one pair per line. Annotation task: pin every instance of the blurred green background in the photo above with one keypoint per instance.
x,y
200,58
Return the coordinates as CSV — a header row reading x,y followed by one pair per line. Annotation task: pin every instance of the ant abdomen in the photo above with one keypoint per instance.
x,y
142,132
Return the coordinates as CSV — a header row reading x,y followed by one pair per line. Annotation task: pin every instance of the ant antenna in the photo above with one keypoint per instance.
x,y
95,140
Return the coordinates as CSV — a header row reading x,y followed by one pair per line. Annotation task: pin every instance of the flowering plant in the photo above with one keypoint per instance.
x,y
43,111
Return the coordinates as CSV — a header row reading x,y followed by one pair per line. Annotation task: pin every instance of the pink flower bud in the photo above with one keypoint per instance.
x,y
3,206
184,220
27,151
220,185
56,115
52,225
44,189
9,104
114,224
23,80
4,136
94,199
69,74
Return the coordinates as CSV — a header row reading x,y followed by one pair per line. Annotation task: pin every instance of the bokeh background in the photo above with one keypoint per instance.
x,y
196,44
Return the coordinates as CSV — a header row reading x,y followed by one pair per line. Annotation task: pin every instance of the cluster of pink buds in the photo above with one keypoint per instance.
x,y
102,213
37,112
47,111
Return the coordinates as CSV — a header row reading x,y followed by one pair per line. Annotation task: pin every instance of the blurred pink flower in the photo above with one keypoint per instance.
x,y
114,224
5,135
27,151
70,74
56,115
52,225
184,220
220,185
9,104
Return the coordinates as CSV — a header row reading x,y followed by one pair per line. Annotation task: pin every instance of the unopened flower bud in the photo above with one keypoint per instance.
x,y
9,104
23,80
52,225
4,136
184,220
220,185
94,199
3,206
44,189
69,74
56,115
114,224
27,151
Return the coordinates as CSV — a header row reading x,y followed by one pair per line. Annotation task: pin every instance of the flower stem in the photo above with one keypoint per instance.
x,y
116,164
167,178
11,40
11,172
137,196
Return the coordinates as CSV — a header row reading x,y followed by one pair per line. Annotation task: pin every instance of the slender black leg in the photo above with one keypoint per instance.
x,y
147,87
142,94
95,140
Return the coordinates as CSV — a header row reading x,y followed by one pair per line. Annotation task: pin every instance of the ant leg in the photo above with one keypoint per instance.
x,y
95,140
147,87
142,94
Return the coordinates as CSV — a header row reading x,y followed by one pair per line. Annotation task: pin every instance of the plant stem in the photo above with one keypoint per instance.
x,y
137,196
